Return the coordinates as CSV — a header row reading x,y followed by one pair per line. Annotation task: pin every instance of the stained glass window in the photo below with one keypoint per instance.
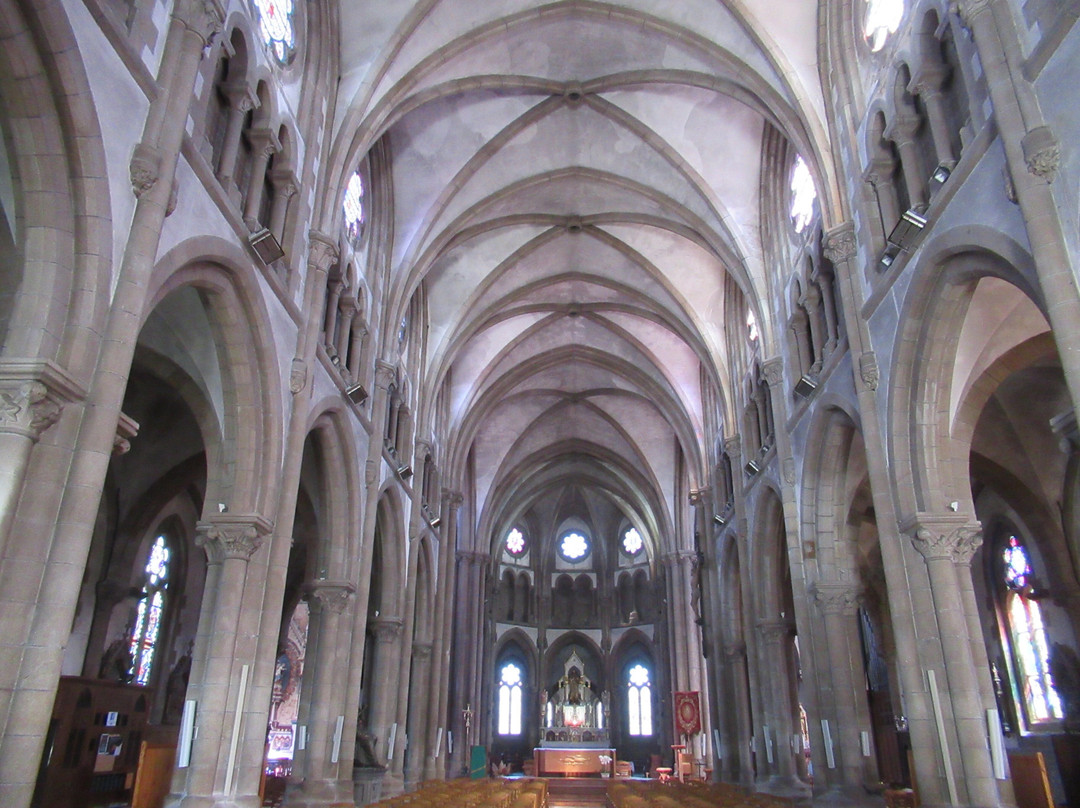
x,y
515,542
639,701
882,19
632,542
144,635
573,546
276,25
803,195
510,690
353,205
752,332
1027,636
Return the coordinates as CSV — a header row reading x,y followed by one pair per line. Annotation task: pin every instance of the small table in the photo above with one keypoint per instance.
x,y
665,773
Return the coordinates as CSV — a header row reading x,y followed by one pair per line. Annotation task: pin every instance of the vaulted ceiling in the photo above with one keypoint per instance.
x,y
577,191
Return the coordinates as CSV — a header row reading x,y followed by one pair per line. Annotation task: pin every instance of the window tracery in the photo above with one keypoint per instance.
x,y
515,542
276,27
147,629
510,699
632,542
574,547
639,701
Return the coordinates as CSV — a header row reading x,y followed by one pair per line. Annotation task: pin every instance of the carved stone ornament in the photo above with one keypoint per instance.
x,y
452,499
384,374
144,169
733,650
1042,153
332,596
774,371
237,537
774,631
696,497
957,544
202,17
789,470
26,408
421,651
840,245
868,370
371,472
837,598
297,375
733,446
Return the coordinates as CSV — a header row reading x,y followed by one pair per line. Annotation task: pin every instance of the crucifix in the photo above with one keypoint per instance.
x,y
467,714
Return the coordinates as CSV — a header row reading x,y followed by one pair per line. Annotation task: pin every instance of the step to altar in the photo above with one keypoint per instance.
x,y
577,791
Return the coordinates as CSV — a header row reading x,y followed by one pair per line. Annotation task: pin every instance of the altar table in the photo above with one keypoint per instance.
x,y
572,762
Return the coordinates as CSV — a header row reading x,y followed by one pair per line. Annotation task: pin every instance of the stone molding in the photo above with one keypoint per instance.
x,y
840,245
453,499
471,557
144,169
774,631
837,597
384,374
126,429
33,395
332,596
733,446
953,538
232,536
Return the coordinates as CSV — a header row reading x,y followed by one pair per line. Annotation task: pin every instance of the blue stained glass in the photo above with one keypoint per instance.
x,y
275,23
1017,564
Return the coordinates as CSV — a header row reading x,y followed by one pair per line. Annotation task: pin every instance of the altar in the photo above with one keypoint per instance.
x,y
569,762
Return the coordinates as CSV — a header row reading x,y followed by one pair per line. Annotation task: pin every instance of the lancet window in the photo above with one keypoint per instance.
x,y
151,608
510,699
639,701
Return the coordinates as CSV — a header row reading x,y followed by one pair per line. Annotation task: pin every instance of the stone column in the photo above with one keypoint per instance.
x,y
944,541
839,602
347,310
811,302
264,144
419,687
902,130
738,762
395,777
881,175
319,773
46,567
387,632
927,83
230,540
241,102
774,637
337,286
435,764
1033,154
285,187
356,349
840,249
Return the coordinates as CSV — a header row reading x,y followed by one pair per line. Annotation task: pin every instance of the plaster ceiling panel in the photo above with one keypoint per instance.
x,y
695,274
717,135
577,136
366,29
583,254
458,275
999,318
433,143
480,351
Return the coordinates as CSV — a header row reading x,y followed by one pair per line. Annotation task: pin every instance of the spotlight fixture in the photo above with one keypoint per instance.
x,y
907,230
805,386
266,246
887,257
751,467
435,522
357,394
941,174
404,471
719,519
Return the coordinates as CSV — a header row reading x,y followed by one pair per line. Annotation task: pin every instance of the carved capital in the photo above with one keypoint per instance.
x,y
421,651
868,370
332,596
1042,153
386,629
734,650
774,371
322,252
788,467
837,598
144,169
944,539
839,242
228,536
384,374
202,17
733,446
774,631
452,499
264,142
126,429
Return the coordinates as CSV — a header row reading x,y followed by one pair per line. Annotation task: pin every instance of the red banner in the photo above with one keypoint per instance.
x,y
688,712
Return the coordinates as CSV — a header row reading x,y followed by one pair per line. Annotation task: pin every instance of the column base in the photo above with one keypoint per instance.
x,y
318,794
784,786
393,784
